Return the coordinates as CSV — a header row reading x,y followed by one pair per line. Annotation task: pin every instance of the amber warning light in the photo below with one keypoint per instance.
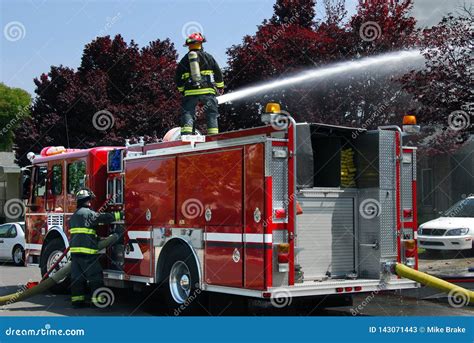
x,y
409,124
272,107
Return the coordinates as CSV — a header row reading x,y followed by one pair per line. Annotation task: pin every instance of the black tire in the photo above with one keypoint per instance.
x,y
195,301
17,250
52,248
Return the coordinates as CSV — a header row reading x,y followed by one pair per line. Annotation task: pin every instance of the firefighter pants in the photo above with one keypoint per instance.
x,y
84,268
188,117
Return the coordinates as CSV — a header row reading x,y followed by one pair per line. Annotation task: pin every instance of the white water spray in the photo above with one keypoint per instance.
x,y
320,72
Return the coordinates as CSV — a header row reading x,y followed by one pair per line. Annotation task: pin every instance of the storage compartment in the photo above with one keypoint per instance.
x,y
334,156
348,196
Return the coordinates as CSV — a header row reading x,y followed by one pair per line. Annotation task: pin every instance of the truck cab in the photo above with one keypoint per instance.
x,y
56,174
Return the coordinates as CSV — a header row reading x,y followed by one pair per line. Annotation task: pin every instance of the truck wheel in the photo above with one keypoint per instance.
x,y
52,252
179,288
18,255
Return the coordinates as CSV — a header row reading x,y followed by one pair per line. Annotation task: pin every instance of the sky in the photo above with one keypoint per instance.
x,y
39,33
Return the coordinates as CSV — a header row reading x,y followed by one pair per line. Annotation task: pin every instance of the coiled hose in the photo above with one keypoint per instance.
x,y
51,280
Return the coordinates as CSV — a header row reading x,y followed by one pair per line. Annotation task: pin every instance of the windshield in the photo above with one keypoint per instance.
x,y
463,208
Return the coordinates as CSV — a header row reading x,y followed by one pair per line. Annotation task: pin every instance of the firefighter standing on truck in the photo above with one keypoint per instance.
x,y
199,79
83,248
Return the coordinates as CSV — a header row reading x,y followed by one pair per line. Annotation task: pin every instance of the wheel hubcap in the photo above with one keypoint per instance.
x,y
17,255
180,282
52,259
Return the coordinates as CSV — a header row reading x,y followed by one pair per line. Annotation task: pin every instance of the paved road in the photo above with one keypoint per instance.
x,y
128,303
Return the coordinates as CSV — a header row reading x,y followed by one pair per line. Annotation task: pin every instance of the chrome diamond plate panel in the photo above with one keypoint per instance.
x,y
279,172
414,164
387,159
388,225
387,171
280,236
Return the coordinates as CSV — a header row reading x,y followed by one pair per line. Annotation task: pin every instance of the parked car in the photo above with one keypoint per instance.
x,y
454,230
12,243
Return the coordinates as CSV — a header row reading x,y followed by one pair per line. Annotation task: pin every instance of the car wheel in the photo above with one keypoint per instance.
x,y
18,255
180,289
53,250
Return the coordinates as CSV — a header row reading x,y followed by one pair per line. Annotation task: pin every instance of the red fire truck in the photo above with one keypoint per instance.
x,y
284,209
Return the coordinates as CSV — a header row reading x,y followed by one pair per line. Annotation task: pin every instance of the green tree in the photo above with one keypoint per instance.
x,y
14,107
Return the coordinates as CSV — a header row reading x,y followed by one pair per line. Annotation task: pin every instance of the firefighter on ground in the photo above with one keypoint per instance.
x,y
199,79
83,248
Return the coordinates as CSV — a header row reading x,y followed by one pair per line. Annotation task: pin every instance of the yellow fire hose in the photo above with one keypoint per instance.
x,y
434,282
51,280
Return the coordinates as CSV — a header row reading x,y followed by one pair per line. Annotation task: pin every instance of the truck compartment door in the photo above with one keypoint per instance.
x,y
255,244
149,202
223,256
209,196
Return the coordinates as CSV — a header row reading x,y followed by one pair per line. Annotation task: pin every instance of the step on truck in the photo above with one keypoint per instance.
x,y
282,210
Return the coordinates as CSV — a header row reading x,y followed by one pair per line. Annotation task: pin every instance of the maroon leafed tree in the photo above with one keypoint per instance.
x,y
443,89
292,41
119,91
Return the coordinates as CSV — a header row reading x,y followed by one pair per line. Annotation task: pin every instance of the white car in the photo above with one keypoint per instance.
x,y
454,230
12,243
